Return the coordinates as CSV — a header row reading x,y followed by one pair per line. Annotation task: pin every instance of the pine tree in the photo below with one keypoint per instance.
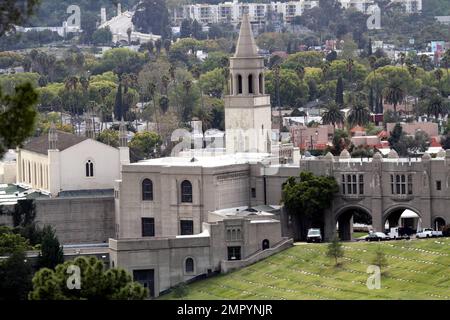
x,y
335,250
51,251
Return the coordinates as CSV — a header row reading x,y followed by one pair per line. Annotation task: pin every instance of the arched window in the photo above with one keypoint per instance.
x,y
261,87
239,77
189,265
250,84
89,168
186,191
147,190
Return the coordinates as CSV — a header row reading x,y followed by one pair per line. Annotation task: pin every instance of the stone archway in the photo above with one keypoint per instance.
x,y
439,223
344,220
402,216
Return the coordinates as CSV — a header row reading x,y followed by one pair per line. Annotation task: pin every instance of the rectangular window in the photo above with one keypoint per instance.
x,y
253,192
186,227
148,227
234,253
361,184
343,183
401,184
410,185
438,185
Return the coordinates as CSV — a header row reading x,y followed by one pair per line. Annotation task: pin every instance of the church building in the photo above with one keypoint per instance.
x,y
61,161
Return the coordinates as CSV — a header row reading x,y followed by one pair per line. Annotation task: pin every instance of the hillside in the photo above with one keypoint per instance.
x,y
418,269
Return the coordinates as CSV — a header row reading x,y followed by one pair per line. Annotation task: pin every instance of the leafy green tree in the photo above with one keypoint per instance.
x,y
15,277
341,141
17,116
335,250
144,145
186,28
396,134
109,137
293,91
152,16
95,283
16,13
308,198
11,242
379,259
51,251
213,83
102,36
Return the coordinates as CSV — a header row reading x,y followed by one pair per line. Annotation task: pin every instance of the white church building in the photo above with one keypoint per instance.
x,y
61,161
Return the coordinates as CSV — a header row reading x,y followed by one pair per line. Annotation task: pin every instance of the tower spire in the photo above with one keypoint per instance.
x,y
246,45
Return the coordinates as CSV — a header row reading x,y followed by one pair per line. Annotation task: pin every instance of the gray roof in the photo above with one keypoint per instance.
x,y
65,140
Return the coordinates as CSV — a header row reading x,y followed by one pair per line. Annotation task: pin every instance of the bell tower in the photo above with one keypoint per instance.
x,y
248,123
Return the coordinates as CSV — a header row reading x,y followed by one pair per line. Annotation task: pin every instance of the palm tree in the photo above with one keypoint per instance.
x,y
438,74
359,114
436,106
71,83
333,115
394,93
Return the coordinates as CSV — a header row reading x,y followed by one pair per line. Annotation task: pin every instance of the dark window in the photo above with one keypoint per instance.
x,y
148,227
410,188
186,191
239,84
253,192
401,184
438,185
234,253
261,90
186,227
189,265
250,84
147,190
361,184
89,169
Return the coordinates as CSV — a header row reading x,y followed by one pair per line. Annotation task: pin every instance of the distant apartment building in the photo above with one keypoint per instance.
x,y
259,12
232,11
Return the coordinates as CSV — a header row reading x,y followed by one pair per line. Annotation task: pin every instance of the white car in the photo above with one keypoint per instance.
x,y
425,233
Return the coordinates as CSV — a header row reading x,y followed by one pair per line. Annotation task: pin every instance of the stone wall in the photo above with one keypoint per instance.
x,y
78,220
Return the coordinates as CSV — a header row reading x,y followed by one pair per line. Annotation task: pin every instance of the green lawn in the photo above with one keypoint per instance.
x,y
418,269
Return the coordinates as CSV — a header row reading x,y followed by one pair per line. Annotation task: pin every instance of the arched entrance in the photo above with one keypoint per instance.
x,y
265,244
347,217
439,224
407,218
